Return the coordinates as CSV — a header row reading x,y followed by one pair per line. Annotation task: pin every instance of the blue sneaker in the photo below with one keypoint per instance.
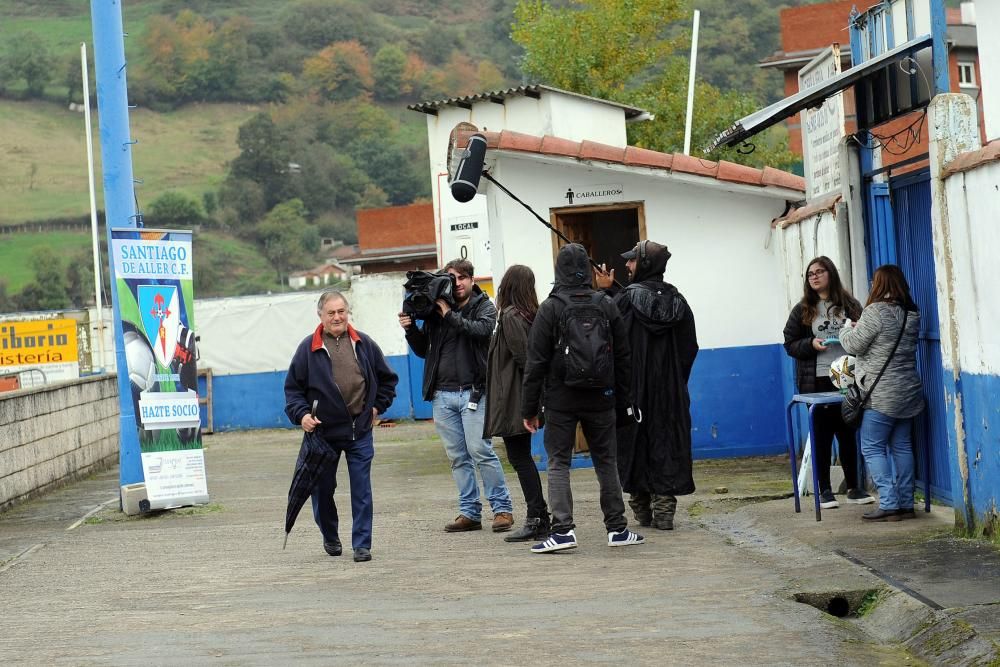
x,y
556,542
624,538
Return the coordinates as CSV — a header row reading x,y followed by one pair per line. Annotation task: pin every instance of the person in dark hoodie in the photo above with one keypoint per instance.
x,y
654,449
345,373
552,350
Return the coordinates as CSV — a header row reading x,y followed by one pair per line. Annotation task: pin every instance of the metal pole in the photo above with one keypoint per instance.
x,y
119,199
939,48
694,63
93,208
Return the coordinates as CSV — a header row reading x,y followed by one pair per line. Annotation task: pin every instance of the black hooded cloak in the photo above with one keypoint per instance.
x,y
654,455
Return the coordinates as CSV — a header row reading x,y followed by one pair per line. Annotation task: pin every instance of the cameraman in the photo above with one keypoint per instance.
x,y
454,343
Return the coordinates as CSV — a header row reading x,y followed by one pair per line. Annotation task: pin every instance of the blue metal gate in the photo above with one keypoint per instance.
x,y
911,207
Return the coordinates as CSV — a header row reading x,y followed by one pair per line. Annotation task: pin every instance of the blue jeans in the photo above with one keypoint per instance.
x,y
359,455
887,445
461,429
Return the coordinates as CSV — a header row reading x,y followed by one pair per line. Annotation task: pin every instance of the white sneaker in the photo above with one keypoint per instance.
x,y
624,538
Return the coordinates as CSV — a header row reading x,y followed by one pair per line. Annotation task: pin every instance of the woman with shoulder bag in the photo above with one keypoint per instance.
x,y
884,340
812,338
517,304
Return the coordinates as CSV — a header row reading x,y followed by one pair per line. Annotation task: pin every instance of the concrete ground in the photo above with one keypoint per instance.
x,y
81,584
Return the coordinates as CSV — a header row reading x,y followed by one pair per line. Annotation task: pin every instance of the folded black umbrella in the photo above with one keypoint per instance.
x,y
315,459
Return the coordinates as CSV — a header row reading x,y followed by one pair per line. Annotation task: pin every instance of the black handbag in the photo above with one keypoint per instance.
x,y
852,408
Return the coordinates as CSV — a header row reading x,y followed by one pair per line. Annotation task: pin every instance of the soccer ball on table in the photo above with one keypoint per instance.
x,y
842,371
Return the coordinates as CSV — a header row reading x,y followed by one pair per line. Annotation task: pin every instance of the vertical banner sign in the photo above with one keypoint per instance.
x,y
822,128
154,281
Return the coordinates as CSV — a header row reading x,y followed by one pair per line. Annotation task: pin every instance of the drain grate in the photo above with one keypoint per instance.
x,y
892,581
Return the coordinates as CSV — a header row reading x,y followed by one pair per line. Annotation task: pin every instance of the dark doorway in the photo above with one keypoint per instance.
x,y
605,231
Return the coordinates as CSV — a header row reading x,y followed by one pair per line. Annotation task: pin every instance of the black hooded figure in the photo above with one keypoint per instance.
x,y
654,454
566,404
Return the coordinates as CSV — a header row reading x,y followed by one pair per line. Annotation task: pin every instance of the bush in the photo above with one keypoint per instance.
x,y
173,209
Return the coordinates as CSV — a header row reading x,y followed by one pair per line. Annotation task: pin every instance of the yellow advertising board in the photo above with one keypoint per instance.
x,y
49,345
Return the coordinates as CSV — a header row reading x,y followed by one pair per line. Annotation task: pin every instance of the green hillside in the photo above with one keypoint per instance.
x,y
16,252
319,84
45,173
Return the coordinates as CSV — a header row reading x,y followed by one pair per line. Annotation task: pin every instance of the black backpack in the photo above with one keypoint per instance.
x,y
583,349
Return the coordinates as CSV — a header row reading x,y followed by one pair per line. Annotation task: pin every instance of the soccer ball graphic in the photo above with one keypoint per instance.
x,y
141,363
842,371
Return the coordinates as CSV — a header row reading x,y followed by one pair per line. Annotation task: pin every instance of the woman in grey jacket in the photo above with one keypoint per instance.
x,y
887,426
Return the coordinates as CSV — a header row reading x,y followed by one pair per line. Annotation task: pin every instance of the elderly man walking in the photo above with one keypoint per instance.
x,y
345,371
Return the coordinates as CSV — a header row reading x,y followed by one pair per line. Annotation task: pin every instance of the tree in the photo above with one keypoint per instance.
x,y
318,23
178,52
389,67
48,290
341,71
373,197
173,209
596,47
339,226
328,180
263,159
488,77
626,51
287,240
460,75
244,200
80,278
73,77
389,167
27,58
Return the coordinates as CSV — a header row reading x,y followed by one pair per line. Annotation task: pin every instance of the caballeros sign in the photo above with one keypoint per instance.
x,y
595,194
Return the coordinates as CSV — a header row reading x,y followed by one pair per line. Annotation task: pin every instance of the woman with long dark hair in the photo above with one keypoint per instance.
x,y
812,338
517,304
887,426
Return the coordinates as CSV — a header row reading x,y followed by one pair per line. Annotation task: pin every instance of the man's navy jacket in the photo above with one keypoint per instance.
x,y
310,378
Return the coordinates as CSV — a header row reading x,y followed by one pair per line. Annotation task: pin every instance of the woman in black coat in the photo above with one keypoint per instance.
x,y
812,338
517,304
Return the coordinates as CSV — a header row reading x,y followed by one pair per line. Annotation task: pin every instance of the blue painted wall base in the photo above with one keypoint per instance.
x,y
737,398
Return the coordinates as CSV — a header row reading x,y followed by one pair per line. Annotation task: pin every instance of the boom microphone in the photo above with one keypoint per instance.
x,y
470,169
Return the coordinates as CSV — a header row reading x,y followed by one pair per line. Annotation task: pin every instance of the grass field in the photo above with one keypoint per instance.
x,y
44,174
16,251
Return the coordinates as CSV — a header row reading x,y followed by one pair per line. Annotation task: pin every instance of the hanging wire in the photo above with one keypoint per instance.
x,y
903,140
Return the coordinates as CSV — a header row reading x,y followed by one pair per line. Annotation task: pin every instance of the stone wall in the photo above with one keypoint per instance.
x,y
55,434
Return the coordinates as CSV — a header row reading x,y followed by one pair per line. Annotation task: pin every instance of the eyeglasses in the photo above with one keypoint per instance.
x,y
816,274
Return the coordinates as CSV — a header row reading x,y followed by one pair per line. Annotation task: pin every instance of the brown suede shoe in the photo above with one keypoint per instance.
x,y
461,524
502,522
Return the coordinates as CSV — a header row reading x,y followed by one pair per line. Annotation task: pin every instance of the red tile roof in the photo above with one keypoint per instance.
x,y
973,159
634,156
805,212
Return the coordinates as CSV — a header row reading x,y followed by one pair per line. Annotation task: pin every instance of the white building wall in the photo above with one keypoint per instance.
x,y
554,114
583,120
826,234
724,261
973,203
988,28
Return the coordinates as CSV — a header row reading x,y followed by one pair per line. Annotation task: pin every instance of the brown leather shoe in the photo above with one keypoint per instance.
x,y
503,522
461,524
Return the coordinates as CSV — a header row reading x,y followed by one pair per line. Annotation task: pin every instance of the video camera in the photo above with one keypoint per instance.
x,y
423,289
